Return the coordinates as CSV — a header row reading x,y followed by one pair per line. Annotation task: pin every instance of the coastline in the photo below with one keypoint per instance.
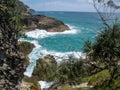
x,y
35,35
59,50
34,55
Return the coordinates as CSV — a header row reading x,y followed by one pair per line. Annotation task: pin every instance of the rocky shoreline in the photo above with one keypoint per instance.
x,y
27,83
32,22
25,49
32,83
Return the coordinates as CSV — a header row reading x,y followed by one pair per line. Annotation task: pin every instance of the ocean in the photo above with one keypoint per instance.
x,y
83,26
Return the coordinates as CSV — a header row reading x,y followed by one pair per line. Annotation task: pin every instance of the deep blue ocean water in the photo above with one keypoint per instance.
x,y
83,25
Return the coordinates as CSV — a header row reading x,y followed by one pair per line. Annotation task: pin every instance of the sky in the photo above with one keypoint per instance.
x,y
60,5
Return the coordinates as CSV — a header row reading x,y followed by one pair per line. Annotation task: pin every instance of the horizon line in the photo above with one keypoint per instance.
x,y
66,11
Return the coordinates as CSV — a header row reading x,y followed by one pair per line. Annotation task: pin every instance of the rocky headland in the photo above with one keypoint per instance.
x,y
32,22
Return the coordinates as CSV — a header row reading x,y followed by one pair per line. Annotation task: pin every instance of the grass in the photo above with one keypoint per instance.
x,y
97,78
69,88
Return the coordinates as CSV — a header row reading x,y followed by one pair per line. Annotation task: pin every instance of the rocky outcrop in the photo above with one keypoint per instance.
x,y
31,22
27,83
44,68
49,59
25,49
11,62
30,84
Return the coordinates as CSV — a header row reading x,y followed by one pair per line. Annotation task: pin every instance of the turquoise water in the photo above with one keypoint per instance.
x,y
83,26
86,24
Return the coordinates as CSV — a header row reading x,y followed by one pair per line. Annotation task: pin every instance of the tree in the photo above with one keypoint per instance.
x,y
70,72
104,53
107,10
11,62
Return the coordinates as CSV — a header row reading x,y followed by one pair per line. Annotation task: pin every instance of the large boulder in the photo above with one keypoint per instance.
x,y
45,68
49,59
25,49
31,22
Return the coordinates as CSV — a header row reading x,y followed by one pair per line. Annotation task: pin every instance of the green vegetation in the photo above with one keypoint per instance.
x,y
103,57
22,7
101,68
30,84
69,88
44,70
98,78
25,47
11,62
69,72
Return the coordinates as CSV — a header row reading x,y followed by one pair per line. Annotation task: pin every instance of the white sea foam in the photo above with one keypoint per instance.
x,y
40,52
42,33
37,33
34,55
59,56
45,84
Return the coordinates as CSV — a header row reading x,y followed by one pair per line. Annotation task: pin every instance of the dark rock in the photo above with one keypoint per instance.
x,y
49,24
41,71
47,59
31,22
11,63
25,49
30,84
50,59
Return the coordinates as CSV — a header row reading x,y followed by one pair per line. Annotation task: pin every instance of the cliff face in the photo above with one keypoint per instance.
x,y
31,22
11,62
